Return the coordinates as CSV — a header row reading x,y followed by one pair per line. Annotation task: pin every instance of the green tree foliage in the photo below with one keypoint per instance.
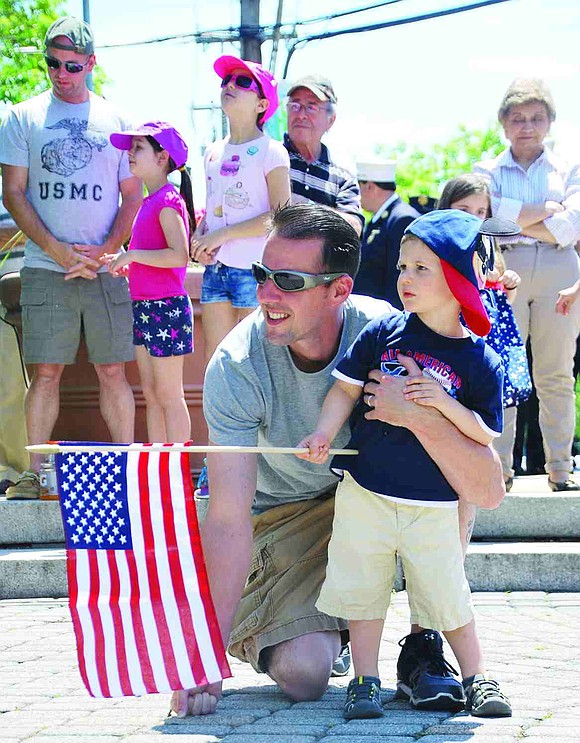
x,y
23,23
420,172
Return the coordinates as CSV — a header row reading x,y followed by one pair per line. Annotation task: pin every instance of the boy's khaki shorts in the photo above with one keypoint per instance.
x,y
55,312
287,570
367,534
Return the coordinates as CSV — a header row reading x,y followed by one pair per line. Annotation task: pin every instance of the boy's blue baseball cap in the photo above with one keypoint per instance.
x,y
454,237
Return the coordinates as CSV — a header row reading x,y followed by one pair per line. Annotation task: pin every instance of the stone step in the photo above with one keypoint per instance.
x,y
39,572
530,511
531,516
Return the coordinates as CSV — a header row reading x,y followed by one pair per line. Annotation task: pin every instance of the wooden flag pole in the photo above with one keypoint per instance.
x,y
95,448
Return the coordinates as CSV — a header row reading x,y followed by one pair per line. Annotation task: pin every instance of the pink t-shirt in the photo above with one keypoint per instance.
x,y
237,190
153,282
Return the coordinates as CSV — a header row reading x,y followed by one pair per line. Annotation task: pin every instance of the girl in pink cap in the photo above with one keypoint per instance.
x,y
155,264
247,176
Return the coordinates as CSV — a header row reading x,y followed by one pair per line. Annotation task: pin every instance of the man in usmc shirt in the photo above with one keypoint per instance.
x,y
62,183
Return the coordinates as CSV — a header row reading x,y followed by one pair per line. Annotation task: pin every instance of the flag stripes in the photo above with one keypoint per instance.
x,y
142,612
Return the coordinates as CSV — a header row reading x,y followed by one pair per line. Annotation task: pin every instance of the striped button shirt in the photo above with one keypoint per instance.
x,y
323,181
549,178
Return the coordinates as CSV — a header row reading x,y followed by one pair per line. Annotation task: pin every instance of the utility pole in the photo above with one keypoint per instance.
x,y
87,19
250,33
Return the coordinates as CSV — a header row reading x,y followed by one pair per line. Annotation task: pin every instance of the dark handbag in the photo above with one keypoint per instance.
x,y
506,340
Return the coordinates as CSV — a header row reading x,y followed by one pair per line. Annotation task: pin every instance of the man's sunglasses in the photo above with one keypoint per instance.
x,y
72,67
292,281
245,82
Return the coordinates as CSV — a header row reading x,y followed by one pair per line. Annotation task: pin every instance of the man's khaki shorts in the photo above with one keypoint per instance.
x,y
55,312
287,570
367,534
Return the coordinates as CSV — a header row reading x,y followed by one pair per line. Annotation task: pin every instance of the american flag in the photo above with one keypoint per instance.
x,y
139,595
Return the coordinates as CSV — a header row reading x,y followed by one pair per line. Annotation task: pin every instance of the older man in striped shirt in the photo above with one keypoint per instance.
x,y
314,176
540,191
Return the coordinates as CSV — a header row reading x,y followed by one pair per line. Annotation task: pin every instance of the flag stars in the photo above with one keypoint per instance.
x,y
94,500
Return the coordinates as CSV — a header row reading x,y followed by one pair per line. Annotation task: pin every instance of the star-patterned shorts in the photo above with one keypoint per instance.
x,y
163,326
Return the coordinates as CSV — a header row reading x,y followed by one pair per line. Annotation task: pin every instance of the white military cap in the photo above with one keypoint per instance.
x,y
379,171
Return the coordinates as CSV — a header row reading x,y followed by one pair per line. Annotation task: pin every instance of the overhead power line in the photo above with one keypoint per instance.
x,y
385,24
232,32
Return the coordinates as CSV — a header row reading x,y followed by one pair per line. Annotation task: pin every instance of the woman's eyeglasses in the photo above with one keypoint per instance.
x,y
72,67
292,281
244,82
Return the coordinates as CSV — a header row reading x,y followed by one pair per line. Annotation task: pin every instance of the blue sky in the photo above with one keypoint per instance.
x,y
413,83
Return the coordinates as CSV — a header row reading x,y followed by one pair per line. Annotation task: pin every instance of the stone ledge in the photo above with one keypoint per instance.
x,y
508,566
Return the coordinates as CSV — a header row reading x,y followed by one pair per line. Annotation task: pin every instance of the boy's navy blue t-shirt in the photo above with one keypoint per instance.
x,y
391,461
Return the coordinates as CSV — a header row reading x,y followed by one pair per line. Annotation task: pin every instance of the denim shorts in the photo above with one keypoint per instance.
x,y
163,326
223,283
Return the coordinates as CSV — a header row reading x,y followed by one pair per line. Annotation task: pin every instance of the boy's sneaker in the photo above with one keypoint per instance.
x,y
363,699
27,487
484,698
341,665
202,487
424,676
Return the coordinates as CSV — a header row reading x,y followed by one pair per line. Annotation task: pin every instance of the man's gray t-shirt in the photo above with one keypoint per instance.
x,y
74,171
255,396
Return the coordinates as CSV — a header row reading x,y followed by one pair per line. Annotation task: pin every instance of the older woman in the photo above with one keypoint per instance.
x,y
540,191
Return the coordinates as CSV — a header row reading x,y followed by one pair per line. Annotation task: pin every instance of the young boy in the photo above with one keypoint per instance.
x,y
393,498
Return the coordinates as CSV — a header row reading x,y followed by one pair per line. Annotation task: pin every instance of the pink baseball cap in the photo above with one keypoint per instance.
x,y
162,132
267,82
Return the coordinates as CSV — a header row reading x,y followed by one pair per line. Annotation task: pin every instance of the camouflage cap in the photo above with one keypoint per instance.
x,y
78,32
320,86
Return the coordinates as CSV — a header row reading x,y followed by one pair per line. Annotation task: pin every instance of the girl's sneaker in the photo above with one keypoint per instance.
x,y
484,698
202,487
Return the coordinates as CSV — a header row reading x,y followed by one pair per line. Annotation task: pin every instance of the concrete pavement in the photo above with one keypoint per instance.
x,y
531,642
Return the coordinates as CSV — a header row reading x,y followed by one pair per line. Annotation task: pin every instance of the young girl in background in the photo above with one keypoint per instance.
x,y
155,263
247,176
470,193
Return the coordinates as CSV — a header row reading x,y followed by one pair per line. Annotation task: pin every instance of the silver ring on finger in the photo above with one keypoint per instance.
x,y
369,398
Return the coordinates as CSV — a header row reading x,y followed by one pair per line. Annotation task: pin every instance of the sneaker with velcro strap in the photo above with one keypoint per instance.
x,y
363,699
484,698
